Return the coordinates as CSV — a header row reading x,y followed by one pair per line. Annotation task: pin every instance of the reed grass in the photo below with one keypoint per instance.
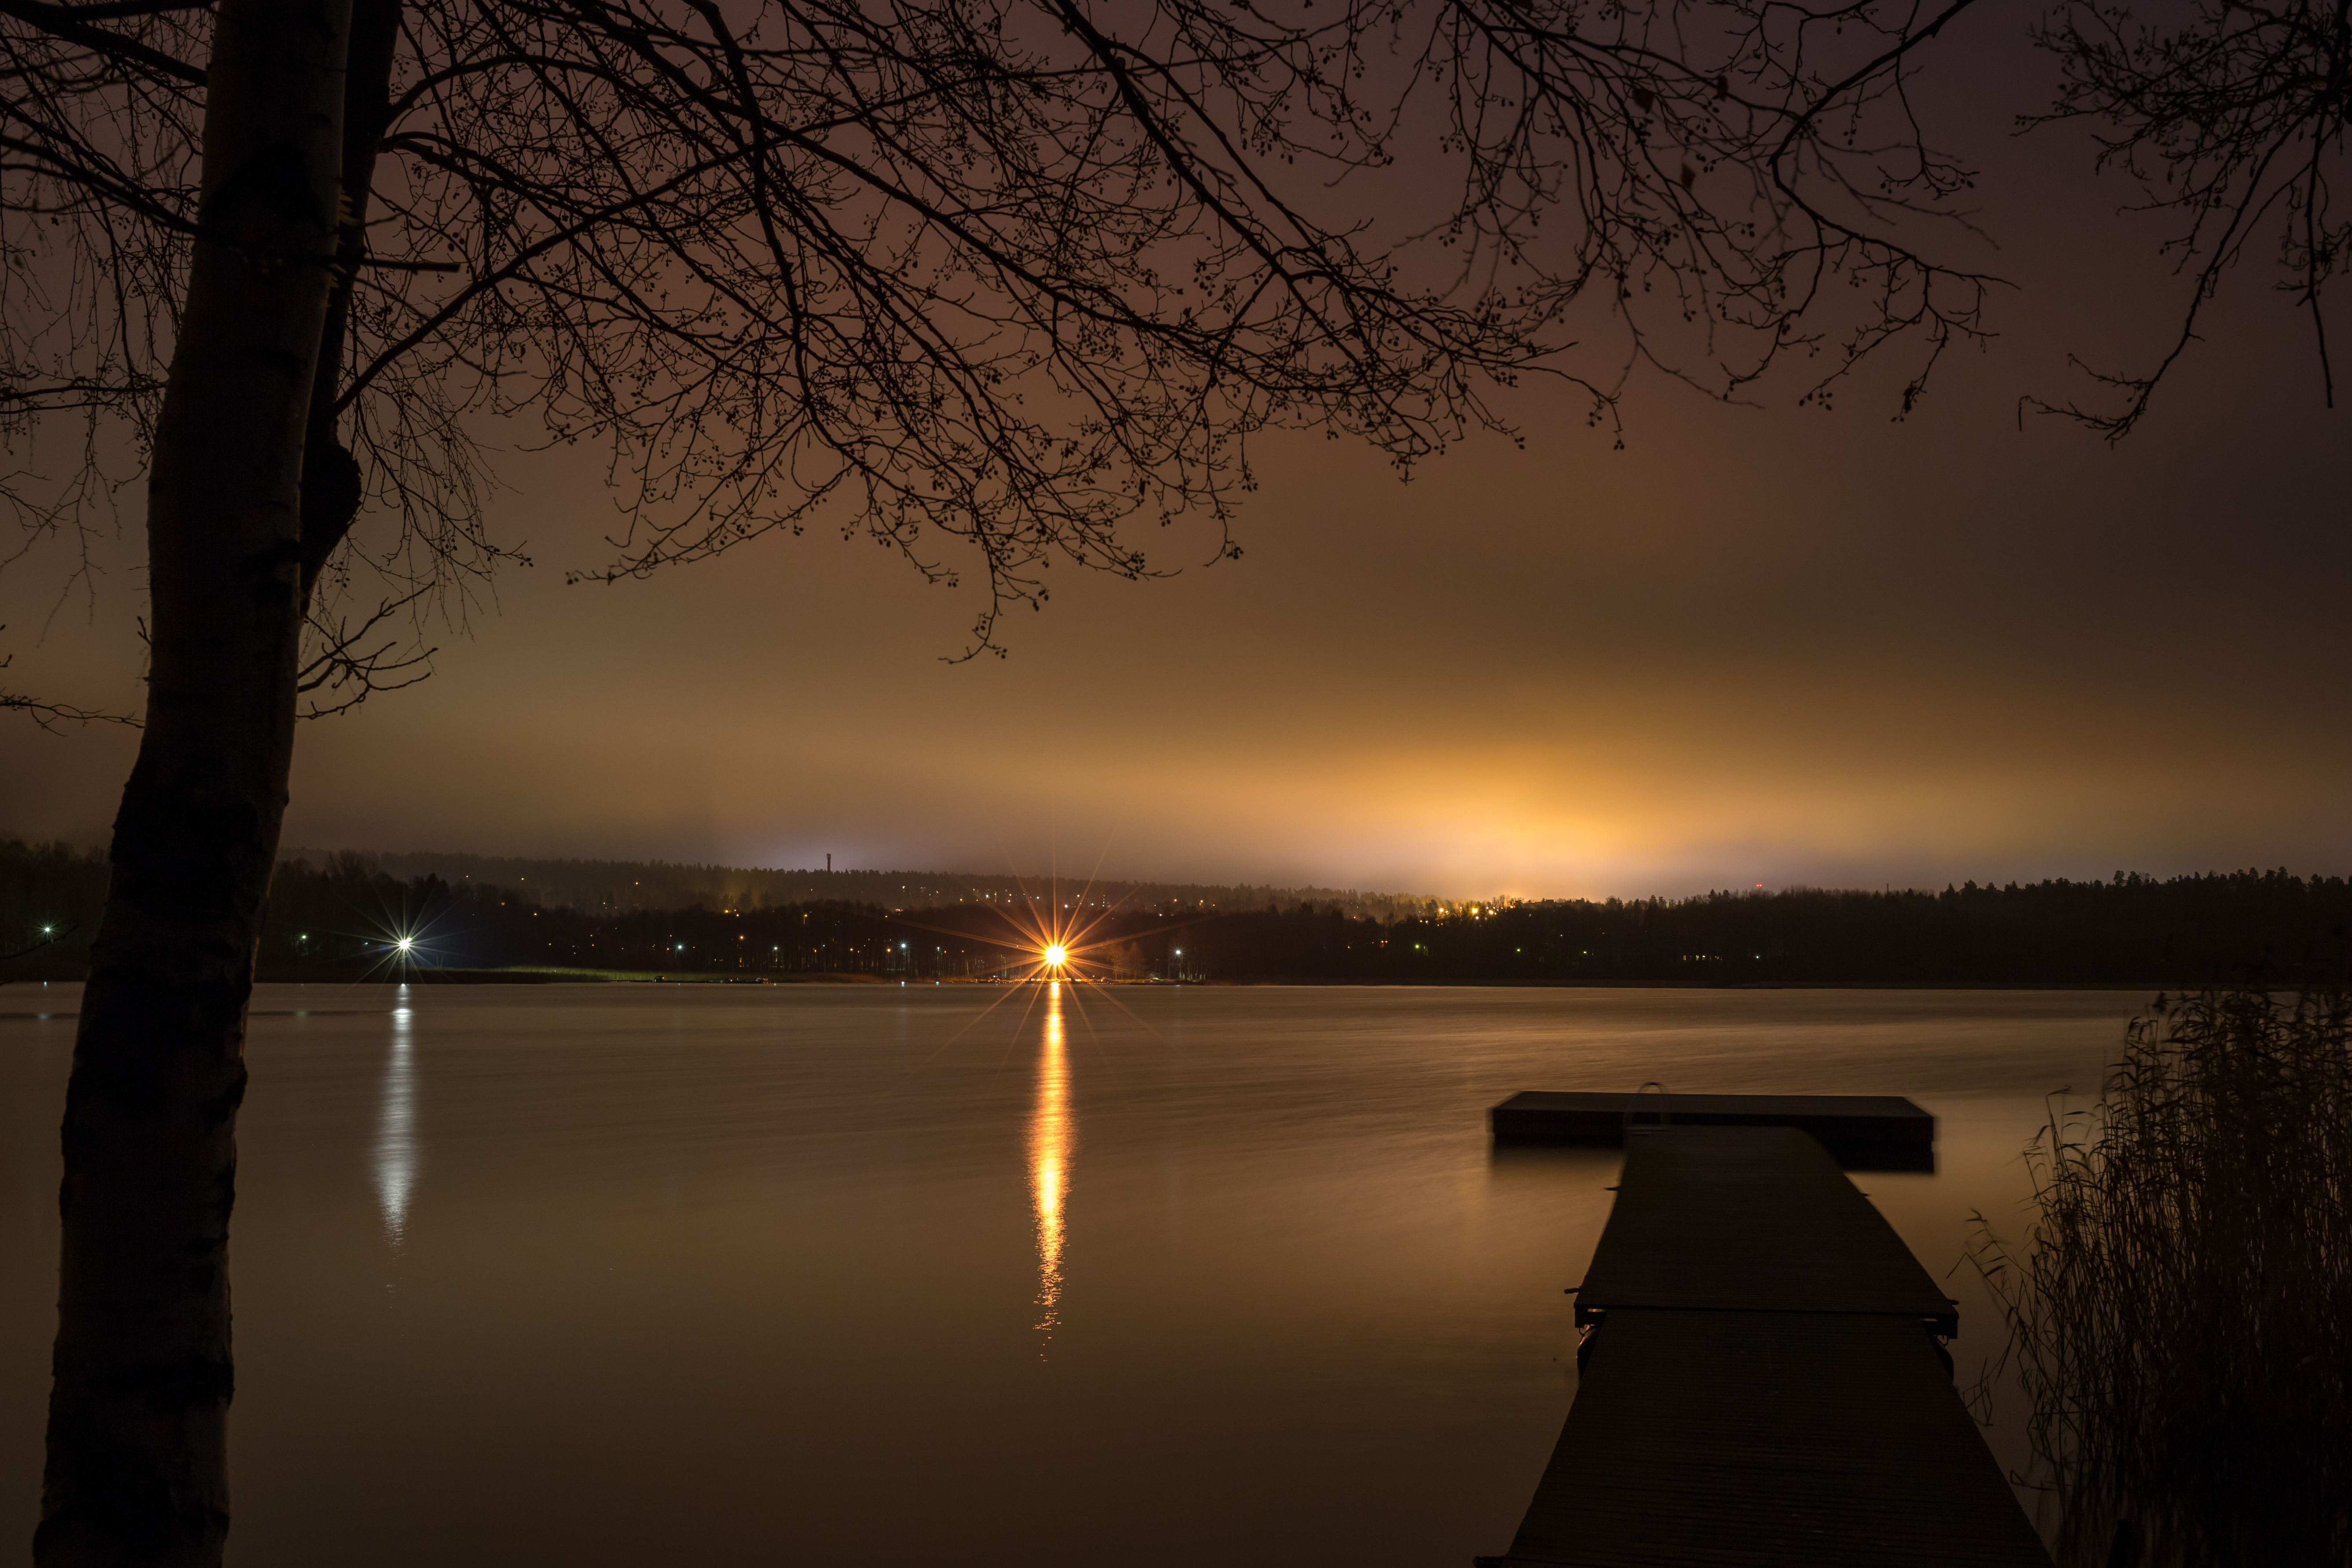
x,y
2180,1308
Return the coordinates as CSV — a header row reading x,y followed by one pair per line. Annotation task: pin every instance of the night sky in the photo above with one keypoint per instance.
x,y
1761,644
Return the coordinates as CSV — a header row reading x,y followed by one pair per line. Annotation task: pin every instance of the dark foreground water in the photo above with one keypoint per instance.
x,y
854,1275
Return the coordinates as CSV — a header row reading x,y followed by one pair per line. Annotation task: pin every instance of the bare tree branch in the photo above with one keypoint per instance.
x,y
54,716
2232,121
353,664
73,23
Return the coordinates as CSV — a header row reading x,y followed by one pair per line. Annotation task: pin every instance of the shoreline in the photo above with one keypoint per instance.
x,y
528,976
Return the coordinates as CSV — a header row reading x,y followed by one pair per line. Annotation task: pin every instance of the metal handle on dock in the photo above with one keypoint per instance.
x,y
1633,1111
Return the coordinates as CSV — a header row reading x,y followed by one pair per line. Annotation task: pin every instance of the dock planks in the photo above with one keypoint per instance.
x,y
1762,1391
1770,1440
1755,1219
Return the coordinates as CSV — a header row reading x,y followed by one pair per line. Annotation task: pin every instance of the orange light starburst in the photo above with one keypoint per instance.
x,y
1050,932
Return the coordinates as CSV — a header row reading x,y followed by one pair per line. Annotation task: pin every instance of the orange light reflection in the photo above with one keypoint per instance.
x,y
1053,1139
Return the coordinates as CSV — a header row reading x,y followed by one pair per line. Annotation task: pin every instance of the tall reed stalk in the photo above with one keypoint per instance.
x,y
2181,1314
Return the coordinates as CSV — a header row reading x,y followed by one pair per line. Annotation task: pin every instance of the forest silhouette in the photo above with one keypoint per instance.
x,y
339,919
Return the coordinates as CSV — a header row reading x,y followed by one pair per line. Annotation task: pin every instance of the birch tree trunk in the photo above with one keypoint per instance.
x,y
137,1454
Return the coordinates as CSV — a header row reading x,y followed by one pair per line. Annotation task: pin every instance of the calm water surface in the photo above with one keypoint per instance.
x,y
704,1275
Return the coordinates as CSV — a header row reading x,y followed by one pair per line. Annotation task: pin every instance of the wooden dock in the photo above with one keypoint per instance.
x,y
1761,1385
1873,1132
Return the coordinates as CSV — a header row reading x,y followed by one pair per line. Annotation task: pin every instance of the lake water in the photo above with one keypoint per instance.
x,y
864,1274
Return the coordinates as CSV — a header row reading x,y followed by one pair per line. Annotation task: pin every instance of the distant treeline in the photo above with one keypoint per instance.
x,y
2135,930
345,916
616,886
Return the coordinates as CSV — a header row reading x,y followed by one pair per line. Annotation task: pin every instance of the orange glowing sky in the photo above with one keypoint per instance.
x,y
1759,645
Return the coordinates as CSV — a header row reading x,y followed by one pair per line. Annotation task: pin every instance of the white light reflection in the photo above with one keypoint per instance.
x,y
395,1142
1053,1139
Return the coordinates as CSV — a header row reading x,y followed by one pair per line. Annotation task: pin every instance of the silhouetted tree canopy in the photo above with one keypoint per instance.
x,y
985,281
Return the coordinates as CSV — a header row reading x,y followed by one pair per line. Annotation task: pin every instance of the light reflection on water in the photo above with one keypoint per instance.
x,y
725,1275
1053,1142
394,1159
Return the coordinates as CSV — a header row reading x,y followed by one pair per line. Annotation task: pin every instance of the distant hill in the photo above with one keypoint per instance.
x,y
618,886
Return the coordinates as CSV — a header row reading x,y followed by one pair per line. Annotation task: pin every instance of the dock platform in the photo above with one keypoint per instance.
x,y
1875,1133
1760,1383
